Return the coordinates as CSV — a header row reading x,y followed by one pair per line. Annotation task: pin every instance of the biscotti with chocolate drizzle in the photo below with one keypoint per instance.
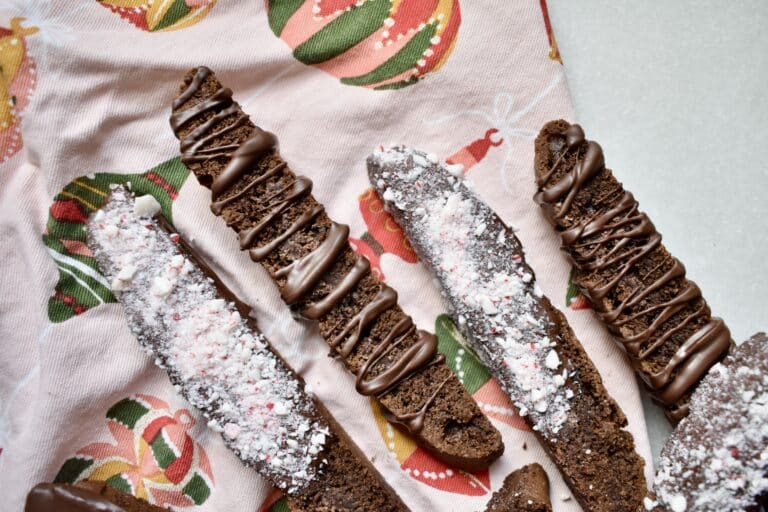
x,y
636,286
203,336
284,228
518,334
86,496
524,490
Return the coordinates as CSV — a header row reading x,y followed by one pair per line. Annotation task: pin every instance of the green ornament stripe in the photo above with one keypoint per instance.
x,y
71,470
280,11
280,506
81,285
344,32
197,489
177,11
397,85
120,483
162,452
459,356
127,411
400,62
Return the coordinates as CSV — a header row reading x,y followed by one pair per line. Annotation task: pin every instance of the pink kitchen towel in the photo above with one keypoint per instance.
x,y
85,94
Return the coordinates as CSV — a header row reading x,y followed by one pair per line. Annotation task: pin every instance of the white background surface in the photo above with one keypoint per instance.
x,y
675,92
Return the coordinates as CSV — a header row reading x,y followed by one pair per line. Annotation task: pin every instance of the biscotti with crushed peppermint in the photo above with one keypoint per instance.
x,y
636,286
525,341
716,460
201,334
285,229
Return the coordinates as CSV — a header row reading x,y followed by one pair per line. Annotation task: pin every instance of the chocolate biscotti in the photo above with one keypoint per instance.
x,y
516,331
284,228
716,460
639,290
86,496
524,490
224,367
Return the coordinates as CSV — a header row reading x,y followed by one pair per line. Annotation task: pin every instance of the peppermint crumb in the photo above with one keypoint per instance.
x,y
455,170
146,206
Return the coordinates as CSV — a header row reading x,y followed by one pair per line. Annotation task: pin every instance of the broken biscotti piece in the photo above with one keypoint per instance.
x,y
224,367
524,490
519,335
86,496
284,228
717,457
639,290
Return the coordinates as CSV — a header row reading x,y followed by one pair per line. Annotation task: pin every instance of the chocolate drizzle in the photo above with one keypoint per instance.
x,y
251,151
613,241
323,306
304,274
347,339
414,421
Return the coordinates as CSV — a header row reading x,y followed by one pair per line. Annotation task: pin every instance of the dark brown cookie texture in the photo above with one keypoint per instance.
x,y
322,279
84,496
197,330
524,490
525,341
636,286
717,458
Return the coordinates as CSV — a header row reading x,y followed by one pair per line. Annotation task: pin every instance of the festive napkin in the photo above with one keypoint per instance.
x,y
84,102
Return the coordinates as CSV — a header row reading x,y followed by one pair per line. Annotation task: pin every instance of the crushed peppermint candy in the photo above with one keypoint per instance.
x,y
717,458
491,291
220,364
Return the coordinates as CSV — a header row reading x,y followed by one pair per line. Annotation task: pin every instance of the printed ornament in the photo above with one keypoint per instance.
x,y
153,456
160,15
379,44
81,285
474,152
384,235
17,81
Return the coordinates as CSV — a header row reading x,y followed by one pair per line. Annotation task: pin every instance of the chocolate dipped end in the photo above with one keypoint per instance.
x,y
86,496
284,228
621,266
